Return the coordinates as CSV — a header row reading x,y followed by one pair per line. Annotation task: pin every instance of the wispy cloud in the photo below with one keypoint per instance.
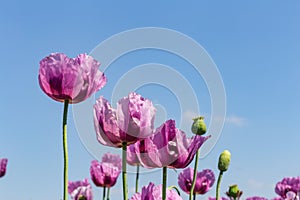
x,y
235,120
256,184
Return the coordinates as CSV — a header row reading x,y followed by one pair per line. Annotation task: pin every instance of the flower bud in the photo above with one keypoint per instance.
x,y
224,161
234,192
199,127
82,197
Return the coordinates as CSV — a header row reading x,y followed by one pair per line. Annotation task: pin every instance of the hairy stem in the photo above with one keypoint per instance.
x,y
65,149
194,176
218,185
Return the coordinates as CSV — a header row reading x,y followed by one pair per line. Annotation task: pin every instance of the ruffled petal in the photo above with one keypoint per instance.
x,y
105,123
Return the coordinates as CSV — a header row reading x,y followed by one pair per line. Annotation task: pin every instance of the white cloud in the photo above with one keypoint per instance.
x,y
255,184
235,120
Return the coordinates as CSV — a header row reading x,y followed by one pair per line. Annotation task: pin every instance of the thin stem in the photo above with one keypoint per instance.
x,y
218,185
104,191
124,174
194,197
65,149
108,191
164,189
137,178
175,188
194,175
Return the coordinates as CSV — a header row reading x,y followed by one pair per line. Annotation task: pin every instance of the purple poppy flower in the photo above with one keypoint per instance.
x,y
168,147
286,185
3,164
132,158
80,190
74,79
204,180
133,120
152,192
256,198
106,173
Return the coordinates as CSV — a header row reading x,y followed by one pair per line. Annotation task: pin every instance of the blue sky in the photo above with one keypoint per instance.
x,y
256,46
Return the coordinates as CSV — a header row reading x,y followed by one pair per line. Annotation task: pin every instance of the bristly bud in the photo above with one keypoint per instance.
x,y
199,127
234,192
224,161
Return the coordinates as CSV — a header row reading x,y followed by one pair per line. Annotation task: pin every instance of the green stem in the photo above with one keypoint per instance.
x,y
108,191
218,185
124,174
194,176
137,178
104,191
164,189
65,149
175,188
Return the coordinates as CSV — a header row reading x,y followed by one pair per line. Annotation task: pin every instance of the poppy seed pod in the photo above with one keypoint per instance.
x,y
234,191
199,127
82,198
224,161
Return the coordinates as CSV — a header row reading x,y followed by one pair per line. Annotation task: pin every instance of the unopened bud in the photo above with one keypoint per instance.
x,y
224,161
82,197
199,127
234,192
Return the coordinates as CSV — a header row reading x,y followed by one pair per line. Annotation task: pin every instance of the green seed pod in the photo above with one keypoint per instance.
x,y
224,161
199,127
82,197
233,191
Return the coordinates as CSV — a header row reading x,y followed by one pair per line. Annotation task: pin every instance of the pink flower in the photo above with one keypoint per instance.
x,y
204,180
133,120
3,164
286,185
106,173
74,79
168,147
152,192
80,190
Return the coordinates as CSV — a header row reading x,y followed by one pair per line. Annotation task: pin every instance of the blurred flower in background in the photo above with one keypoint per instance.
x,y
152,192
3,165
204,180
80,190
